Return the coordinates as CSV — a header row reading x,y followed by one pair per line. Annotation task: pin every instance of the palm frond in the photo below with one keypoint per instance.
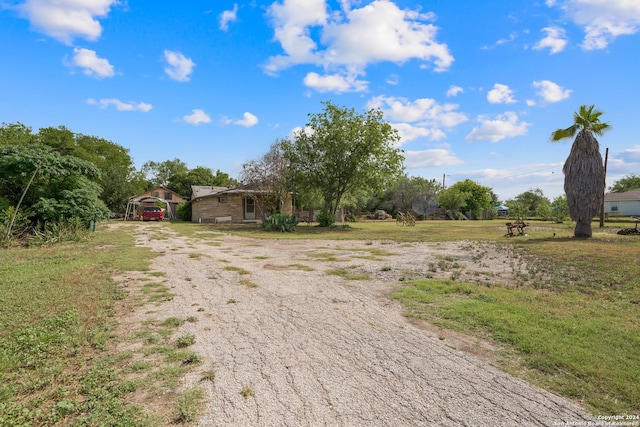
x,y
561,134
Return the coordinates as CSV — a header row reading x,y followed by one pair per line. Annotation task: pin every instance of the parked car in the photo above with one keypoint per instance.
x,y
152,213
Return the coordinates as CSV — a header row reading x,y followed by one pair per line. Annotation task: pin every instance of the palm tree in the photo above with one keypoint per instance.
x,y
583,170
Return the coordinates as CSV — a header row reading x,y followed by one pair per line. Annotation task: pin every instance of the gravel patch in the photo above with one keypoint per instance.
x,y
307,330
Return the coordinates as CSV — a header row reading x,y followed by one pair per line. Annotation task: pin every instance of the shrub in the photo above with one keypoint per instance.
x,y
280,222
325,219
184,211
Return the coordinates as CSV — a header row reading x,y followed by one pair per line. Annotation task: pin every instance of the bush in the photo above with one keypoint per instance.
x,y
280,222
184,211
325,219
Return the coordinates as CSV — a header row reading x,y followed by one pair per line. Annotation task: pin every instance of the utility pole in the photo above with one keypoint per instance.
x,y
604,188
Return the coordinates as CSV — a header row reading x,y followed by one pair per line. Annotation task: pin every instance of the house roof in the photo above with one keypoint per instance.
x,y
201,191
619,197
149,195
206,190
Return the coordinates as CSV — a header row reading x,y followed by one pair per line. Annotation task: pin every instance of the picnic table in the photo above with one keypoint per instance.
x,y
518,226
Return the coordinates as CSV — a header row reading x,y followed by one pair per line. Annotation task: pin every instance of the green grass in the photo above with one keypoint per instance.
x,y
240,271
248,283
58,320
573,344
190,404
55,325
301,267
347,274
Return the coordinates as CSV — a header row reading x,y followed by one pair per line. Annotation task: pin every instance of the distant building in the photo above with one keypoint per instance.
x,y
622,204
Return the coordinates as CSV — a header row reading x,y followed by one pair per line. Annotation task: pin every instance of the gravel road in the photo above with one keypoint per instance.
x,y
316,349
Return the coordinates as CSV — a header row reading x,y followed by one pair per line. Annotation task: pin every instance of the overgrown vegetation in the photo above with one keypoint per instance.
x,y
57,336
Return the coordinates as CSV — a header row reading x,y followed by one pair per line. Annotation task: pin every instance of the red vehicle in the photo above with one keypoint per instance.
x,y
152,213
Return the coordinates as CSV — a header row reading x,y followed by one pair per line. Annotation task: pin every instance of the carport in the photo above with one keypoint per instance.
x,y
135,202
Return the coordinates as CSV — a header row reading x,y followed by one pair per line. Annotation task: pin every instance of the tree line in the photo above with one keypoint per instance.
x,y
341,159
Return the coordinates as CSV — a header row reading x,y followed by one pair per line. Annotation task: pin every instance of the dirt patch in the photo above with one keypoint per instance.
x,y
319,349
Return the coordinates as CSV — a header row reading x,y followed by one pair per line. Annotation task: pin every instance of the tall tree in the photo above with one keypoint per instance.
x,y
477,197
269,176
531,199
159,173
341,151
406,190
583,169
182,180
626,183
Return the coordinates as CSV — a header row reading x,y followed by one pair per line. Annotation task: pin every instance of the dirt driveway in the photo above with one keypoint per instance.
x,y
282,320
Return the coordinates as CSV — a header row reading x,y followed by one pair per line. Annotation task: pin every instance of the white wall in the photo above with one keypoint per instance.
x,y
625,208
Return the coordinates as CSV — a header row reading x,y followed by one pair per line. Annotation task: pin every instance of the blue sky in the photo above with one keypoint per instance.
x,y
475,88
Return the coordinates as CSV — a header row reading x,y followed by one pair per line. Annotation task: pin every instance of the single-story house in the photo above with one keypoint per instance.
x,y
225,204
622,204
160,195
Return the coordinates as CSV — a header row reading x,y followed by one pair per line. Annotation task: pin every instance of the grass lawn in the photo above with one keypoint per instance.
x,y
57,334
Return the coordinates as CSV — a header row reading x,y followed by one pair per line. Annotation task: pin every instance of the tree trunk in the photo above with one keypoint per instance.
x,y
583,229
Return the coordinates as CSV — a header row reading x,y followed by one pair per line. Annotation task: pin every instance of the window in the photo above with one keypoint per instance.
x,y
222,199
168,195
614,206
155,194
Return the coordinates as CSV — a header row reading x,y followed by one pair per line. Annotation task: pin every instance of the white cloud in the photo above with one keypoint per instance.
x,y
556,40
197,117
335,83
293,20
627,160
430,158
550,91
90,63
248,120
382,32
393,79
530,103
66,19
454,91
505,125
121,106
603,20
409,132
228,16
511,38
500,94
421,118
345,42
423,111
179,67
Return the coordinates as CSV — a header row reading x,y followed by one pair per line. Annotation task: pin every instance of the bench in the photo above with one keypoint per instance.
x,y
518,226
220,219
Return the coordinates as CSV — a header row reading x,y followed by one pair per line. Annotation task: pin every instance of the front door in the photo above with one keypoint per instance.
x,y
249,209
